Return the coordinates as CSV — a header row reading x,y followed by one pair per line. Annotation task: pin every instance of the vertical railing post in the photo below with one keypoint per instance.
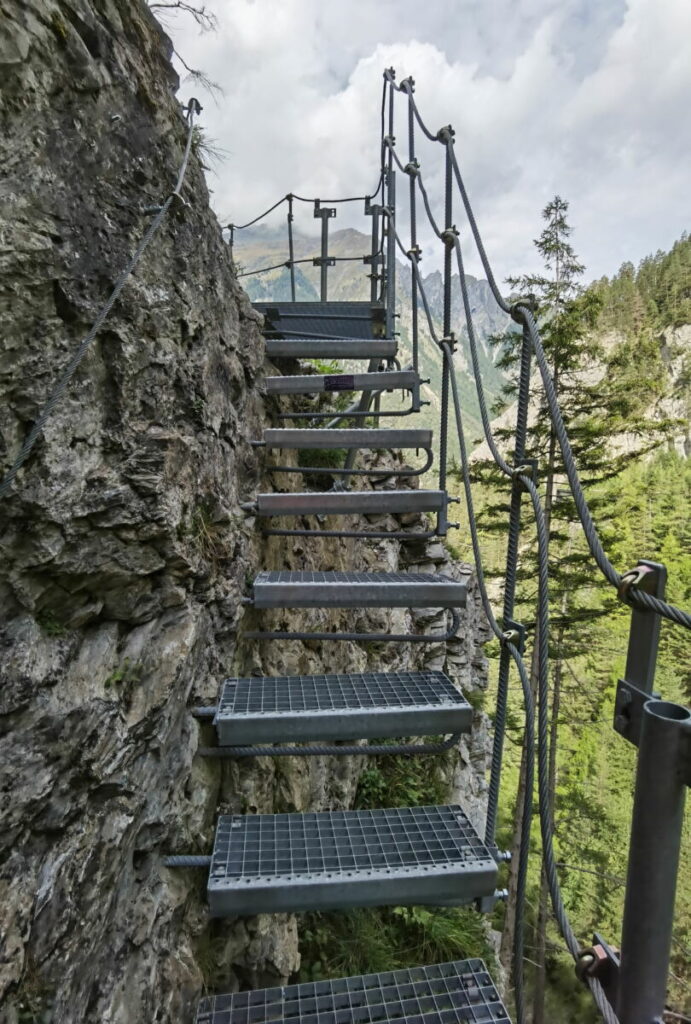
x,y
391,223
509,592
662,733
374,211
663,772
447,234
324,261
412,169
291,247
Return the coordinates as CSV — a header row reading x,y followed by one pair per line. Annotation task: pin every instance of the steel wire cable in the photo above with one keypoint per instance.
x,y
30,440
241,227
543,713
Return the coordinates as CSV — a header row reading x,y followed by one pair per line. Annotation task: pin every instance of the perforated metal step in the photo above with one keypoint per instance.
x,y
356,590
374,438
330,348
461,992
275,709
336,503
322,319
271,863
316,383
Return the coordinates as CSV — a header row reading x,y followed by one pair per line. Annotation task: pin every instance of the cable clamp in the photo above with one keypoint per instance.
x,y
390,74
514,633
449,236
527,467
633,578
193,106
390,140
446,134
450,340
530,301
176,195
414,253
412,168
408,83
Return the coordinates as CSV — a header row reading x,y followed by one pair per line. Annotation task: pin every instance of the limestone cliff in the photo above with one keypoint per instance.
x,y
125,550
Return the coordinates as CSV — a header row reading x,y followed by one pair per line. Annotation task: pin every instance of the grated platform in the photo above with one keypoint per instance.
x,y
374,438
331,348
275,863
461,992
321,319
315,383
265,709
345,502
356,590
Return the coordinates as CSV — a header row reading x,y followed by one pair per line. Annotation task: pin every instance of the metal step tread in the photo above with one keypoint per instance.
x,y
315,382
334,348
461,992
357,590
275,863
275,437
321,319
268,709
297,503
331,348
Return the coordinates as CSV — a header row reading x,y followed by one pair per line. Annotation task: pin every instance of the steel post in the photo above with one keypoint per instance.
x,y
324,261
661,779
374,287
291,248
448,227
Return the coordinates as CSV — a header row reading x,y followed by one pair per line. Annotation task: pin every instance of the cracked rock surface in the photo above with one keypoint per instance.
x,y
125,552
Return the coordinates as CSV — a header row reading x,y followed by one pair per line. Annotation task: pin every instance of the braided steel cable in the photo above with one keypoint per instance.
x,y
634,596
30,440
241,227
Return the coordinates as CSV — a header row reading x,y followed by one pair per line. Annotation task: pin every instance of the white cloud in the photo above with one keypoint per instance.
x,y
586,99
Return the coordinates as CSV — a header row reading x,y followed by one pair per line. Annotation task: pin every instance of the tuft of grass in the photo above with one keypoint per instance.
x,y
50,624
123,674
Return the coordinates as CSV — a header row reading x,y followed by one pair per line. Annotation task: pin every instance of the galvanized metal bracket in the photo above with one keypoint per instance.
x,y
600,961
628,710
514,633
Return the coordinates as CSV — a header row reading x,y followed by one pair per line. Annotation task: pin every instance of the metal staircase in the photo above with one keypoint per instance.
x,y
292,863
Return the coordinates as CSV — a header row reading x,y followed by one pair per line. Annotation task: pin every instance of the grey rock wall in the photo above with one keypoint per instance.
x,y
125,551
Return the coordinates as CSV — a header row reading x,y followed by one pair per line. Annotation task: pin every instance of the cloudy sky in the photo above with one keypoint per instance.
x,y
590,99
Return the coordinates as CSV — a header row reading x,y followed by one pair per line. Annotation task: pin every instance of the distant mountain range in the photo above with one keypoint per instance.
x,y
263,246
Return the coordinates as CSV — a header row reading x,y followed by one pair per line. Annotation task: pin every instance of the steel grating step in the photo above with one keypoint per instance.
x,y
346,502
387,380
270,709
461,992
276,863
322,319
356,590
331,348
368,438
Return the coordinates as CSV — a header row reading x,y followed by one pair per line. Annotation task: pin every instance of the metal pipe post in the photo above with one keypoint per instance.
x,y
374,287
663,771
324,261
413,226
391,227
291,249
448,226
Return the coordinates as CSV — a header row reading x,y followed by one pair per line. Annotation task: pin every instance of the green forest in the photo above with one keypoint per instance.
x,y
621,361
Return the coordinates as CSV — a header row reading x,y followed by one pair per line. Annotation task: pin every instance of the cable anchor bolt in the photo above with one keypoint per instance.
x,y
449,236
193,106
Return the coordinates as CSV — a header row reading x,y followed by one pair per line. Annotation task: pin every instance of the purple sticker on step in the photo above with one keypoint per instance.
x,y
340,382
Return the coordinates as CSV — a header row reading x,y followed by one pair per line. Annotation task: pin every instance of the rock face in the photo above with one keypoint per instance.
x,y
125,550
